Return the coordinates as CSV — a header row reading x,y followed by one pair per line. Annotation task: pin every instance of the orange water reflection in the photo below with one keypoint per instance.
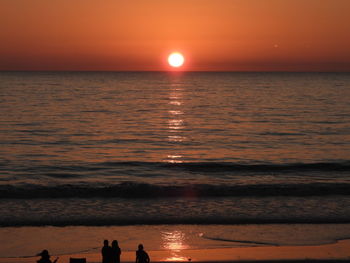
x,y
175,242
176,123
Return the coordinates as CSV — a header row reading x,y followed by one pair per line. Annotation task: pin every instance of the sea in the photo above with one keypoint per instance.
x,y
125,149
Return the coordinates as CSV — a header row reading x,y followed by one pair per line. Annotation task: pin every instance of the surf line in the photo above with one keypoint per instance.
x,y
242,241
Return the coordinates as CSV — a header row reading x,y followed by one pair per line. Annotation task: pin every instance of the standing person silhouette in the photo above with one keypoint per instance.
x,y
116,252
107,252
45,257
141,255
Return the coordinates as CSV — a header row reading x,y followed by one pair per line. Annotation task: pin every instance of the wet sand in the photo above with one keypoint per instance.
x,y
337,252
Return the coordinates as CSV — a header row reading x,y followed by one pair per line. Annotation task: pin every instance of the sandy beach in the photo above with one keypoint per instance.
x,y
334,252
338,252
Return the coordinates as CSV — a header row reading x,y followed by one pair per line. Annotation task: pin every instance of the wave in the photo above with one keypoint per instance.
x,y
143,190
116,221
190,166
62,180
227,166
213,166
240,241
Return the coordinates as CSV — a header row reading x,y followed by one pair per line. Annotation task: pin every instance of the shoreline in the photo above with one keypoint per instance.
x,y
182,243
336,252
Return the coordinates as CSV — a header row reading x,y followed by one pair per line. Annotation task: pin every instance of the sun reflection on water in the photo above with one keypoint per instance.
x,y
174,241
174,158
175,138
176,102
175,123
176,112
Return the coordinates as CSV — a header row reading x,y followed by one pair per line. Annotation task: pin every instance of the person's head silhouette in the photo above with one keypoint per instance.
x,y
114,243
105,243
140,247
44,254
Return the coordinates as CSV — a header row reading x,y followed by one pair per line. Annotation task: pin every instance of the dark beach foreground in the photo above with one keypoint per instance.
x,y
290,254
182,243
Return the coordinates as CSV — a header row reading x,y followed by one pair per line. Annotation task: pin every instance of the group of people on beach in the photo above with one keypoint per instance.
x,y
110,254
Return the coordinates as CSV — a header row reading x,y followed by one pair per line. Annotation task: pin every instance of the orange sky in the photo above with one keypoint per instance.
x,y
219,35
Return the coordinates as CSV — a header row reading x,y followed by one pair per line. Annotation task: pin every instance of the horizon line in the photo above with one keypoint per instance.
x,y
181,71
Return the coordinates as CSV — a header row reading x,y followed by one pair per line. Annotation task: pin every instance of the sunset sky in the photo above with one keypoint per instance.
x,y
213,35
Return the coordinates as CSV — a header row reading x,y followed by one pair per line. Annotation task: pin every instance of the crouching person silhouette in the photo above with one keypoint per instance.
x,y
45,257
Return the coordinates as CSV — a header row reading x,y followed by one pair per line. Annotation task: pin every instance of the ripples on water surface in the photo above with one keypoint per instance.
x,y
194,117
174,134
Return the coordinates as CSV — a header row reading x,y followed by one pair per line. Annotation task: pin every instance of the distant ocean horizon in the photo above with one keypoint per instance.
x,y
177,71
123,148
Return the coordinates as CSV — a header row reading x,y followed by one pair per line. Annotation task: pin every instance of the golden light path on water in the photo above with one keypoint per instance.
x,y
174,241
175,122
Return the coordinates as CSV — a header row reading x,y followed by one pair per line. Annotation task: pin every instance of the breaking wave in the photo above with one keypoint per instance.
x,y
143,190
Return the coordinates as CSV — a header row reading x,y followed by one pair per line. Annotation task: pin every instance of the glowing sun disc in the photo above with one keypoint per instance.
x,y
176,59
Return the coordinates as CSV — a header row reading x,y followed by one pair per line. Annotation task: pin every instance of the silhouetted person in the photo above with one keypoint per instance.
x,y
115,252
107,252
45,257
141,255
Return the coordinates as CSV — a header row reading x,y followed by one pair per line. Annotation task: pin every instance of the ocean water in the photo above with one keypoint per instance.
x,y
106,148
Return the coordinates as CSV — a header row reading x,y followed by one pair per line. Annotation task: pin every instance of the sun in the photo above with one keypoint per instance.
x,y
176,59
